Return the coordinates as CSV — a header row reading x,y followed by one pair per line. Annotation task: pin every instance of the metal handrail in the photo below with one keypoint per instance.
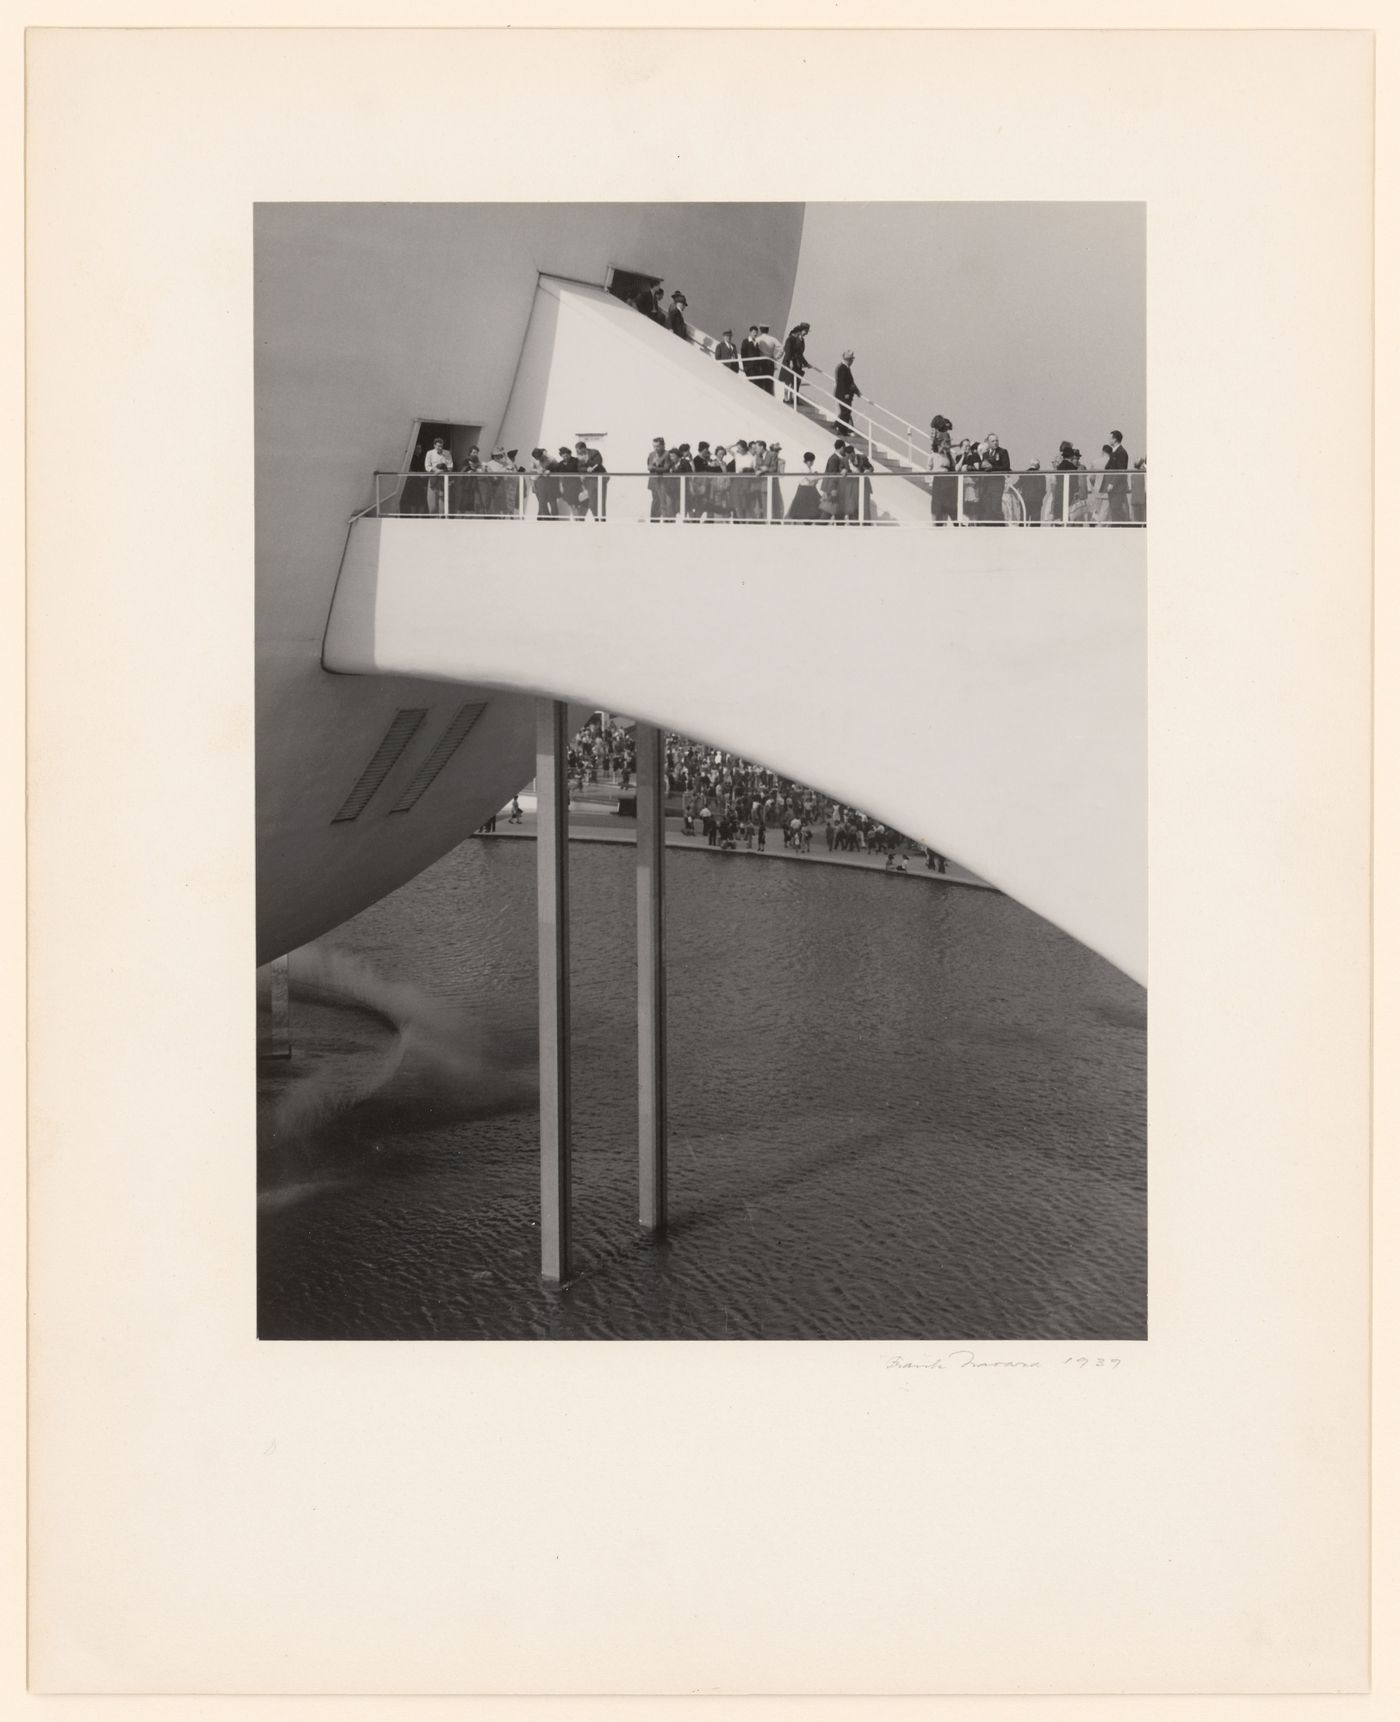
x,y
886,437
1065,501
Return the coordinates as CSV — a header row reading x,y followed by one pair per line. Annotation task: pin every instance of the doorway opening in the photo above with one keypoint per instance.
x,y
416,494
629,284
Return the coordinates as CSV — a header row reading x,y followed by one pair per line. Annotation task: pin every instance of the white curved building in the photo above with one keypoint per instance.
x,y
983,691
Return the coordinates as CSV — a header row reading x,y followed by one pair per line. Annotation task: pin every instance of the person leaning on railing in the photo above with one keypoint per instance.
x,y
593,487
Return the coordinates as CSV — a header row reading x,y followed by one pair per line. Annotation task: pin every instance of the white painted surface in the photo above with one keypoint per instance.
x,y
981,690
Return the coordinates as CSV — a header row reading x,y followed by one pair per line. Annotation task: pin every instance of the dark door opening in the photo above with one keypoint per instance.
x,y
630,286
416,495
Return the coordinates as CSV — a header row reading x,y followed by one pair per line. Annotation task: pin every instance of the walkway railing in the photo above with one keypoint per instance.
x,y
890,438
1032,498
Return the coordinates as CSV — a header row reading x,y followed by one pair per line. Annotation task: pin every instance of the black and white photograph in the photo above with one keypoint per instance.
x,y
644,952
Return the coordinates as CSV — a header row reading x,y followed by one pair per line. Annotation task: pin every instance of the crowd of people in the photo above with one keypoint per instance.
x,y
742,482
733,803
1110,494
760,355
969,482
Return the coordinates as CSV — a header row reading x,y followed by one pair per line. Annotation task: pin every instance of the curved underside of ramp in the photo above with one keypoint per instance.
x,y
983,691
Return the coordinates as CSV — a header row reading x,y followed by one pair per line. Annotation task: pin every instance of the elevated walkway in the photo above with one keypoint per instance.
x,y
983,691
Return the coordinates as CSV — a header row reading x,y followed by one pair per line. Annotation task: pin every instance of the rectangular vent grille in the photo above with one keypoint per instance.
x,y
396,738
448,743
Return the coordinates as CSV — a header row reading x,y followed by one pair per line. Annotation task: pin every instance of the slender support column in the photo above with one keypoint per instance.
x,y
552,859
280,1042
651,978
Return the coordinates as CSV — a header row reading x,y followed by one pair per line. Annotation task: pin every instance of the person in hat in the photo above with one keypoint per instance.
x,y
846,390
494,487
566,463
726,352
676,321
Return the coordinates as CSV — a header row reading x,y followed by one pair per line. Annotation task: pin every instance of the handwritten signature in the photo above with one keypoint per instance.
x,y
965,1358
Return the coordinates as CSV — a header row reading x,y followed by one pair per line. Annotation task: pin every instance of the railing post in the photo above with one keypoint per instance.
x,y
446,495
520,492
378,496
1064,499
552,865
681,516
962,519
768,498
860,499
651,978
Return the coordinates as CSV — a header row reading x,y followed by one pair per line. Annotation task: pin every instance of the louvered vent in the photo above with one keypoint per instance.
x,y
385,757
448,743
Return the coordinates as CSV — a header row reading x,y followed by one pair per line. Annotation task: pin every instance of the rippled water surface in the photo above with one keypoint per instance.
x,y
899,1110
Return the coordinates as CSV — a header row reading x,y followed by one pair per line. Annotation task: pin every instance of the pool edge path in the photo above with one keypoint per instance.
x,y
583,830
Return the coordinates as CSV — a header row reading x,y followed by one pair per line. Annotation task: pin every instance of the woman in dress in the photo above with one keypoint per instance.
x,y
806,503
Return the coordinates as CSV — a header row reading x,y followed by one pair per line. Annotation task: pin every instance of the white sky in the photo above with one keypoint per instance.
x,y
1027,319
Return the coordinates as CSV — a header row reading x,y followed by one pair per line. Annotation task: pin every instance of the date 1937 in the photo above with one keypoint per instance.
x,y
966,1358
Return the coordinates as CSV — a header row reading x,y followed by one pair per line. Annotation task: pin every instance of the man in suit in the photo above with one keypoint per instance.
x,y
676,321
996,460
846,390
725,350
750,356
1116,488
